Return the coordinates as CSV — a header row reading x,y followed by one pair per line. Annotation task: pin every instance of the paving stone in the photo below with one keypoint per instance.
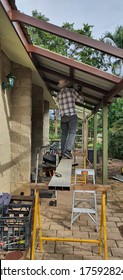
x,y
53,257
39,256
49,233
64,234
80,234
111,224
114,219
81,251
87,228
46,226
117,252
56,223
92,257
64,249
94,235
112,243
119,243
73,257
47,248
56,227
114,230
114,236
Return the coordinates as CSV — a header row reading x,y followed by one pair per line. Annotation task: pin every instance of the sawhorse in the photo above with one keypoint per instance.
x,y
103,231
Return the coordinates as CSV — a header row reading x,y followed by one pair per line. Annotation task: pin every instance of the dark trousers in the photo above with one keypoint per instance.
x,y
68,128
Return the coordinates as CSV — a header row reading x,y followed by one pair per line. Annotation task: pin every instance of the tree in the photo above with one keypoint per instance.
x,y
115,119
115,122
115,65
64,46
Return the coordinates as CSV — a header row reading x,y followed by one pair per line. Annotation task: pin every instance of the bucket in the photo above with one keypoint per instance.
x,y
15,255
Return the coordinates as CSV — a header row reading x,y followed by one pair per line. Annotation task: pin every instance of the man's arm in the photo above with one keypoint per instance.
x,y
78,97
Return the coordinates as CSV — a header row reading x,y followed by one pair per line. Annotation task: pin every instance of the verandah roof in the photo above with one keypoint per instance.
x,y
99,88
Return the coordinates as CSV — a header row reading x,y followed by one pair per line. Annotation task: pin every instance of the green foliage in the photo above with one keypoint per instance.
x,y
90,145
115,112
52,135
116,146
64,46
100,147
116,129
115,65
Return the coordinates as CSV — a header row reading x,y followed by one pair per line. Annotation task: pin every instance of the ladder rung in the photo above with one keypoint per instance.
x,y
84,210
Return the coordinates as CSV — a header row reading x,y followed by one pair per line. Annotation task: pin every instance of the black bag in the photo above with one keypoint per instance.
x,y
49,158
4,201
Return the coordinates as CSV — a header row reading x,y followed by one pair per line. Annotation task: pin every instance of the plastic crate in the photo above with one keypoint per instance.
x,y
15,226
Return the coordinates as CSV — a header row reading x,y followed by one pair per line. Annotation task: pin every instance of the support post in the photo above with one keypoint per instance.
x,y
95,142
85,136
105,145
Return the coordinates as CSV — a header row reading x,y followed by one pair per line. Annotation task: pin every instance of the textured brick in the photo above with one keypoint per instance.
x,y
62,233
73,257
114,236
117,252
64,249
92,257
52,256
119,243
113,219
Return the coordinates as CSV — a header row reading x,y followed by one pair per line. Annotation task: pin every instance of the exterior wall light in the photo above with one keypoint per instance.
x,y
10,81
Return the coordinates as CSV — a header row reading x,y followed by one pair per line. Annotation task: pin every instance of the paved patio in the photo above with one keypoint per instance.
x,y
56,223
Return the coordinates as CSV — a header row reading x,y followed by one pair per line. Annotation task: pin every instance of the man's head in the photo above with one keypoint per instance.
x,y
64,83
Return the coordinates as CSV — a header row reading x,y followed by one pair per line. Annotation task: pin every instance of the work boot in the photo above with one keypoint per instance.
x,y
67,154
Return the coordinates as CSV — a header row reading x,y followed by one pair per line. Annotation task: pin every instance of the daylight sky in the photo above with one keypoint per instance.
x,y
104,15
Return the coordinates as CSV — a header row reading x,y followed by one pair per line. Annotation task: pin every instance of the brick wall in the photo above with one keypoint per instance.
x,y
24,126
37,122
5,126
21,128
46,123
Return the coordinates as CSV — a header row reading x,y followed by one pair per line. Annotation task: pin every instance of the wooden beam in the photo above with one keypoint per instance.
x,y
116,89
64,33
70,62
113,92
91,187
81,83
83,93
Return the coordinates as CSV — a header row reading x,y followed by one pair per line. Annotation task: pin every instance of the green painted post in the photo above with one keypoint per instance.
x,y
105,145
95,143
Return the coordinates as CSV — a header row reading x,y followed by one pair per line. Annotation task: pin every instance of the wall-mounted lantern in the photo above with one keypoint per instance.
x,y
10,79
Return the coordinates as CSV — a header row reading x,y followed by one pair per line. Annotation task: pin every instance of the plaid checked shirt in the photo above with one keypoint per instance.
x,y
67,97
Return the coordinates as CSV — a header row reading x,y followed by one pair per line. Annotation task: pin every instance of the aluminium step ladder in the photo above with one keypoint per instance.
x,y
84,201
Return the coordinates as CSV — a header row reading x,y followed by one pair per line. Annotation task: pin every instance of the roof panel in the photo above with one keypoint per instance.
x,y
98,86
52,64
94,80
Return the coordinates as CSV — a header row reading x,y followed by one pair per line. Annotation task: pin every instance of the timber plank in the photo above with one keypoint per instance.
x,y
91,187
64,182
